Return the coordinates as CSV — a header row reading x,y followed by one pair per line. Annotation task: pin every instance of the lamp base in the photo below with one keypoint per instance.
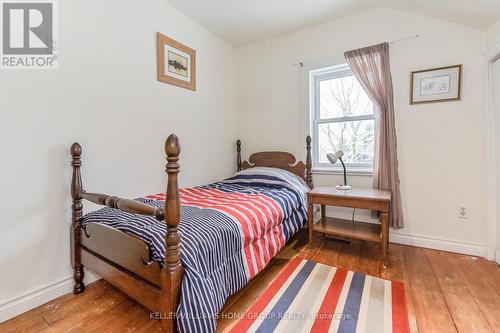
x,y
343,187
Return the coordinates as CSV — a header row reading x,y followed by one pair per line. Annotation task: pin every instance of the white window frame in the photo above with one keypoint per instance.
x,y
315,77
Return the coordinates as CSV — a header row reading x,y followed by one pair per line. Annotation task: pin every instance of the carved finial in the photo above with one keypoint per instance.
x,y
308,163
76,150
76,163
172,146
238,156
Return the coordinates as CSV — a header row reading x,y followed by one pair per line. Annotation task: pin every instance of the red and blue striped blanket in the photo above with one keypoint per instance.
x,y
229,232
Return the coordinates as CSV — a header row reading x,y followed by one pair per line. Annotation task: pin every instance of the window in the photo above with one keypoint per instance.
x,y
342,118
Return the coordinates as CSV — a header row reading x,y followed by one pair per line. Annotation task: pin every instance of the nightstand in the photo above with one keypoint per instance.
x,y
371,199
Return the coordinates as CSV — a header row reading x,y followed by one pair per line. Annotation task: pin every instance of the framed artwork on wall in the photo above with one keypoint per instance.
x,y
441,84
176,63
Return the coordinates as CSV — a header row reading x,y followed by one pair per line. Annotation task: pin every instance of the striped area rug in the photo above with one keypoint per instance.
x,y
311,297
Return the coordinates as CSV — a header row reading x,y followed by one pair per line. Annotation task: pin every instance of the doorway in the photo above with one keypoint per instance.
x,y
495,89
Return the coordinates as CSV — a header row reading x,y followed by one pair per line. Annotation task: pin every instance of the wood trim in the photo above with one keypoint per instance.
x,y
436,69
139,289
459,98
275,159
161,40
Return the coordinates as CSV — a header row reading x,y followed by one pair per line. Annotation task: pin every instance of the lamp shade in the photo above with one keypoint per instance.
x,y
333,157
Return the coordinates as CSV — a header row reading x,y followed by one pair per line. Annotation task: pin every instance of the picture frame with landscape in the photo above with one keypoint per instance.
x,y
441,84
176,62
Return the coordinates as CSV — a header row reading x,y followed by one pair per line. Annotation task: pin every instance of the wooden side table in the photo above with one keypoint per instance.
x,y
371,199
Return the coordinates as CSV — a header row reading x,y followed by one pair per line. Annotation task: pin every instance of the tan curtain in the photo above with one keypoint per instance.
x,y
371,67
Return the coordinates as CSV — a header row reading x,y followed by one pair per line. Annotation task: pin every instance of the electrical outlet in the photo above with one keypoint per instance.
x,y
463,212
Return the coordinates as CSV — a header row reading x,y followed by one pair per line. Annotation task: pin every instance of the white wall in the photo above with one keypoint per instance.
x,y
493,52
434,140
106,96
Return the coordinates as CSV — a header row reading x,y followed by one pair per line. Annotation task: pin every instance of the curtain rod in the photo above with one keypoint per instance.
x,y
300,64
404,38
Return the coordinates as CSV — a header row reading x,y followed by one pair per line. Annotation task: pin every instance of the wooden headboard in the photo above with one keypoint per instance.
x,y
279,159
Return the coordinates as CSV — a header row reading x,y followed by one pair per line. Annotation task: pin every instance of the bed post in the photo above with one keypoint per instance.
x,y
309,179
238,150
76,218
171,274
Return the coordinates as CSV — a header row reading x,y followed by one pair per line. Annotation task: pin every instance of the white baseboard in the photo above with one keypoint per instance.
x,y
438,244
30,300
414,240
497,256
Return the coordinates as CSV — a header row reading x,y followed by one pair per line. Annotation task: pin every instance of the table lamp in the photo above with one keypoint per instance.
x,y
332,158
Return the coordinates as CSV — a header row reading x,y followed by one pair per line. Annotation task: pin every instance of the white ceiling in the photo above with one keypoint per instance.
x,y
244,21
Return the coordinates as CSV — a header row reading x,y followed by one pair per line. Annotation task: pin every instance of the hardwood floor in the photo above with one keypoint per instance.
x,y
445,292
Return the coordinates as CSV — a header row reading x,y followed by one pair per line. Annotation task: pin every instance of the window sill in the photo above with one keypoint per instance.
x,y
335,171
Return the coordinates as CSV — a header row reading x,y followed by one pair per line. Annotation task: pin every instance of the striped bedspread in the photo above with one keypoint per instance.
x,y
229,232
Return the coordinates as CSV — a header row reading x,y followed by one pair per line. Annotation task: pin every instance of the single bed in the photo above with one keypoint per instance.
x,y
216,237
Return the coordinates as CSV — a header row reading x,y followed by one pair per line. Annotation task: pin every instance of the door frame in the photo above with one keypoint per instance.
x,y
492,243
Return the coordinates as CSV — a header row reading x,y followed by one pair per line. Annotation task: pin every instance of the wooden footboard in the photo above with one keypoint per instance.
x,y
124,260
125,250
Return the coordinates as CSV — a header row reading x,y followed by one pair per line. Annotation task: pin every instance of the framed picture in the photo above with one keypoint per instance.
x,y
176,63
436,85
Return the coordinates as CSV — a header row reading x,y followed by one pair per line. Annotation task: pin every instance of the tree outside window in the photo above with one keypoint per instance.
x,y
343,118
